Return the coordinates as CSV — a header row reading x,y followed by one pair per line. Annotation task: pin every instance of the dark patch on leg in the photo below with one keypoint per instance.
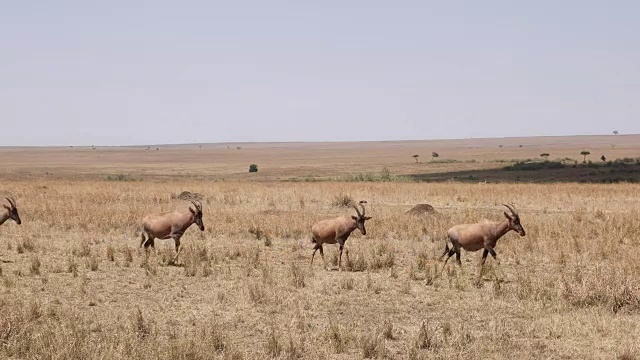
x,y
315,248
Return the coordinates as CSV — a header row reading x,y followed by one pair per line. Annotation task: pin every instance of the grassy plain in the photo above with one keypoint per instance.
x,y
74,283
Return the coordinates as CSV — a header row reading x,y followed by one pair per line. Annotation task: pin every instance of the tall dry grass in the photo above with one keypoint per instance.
x,y
75,284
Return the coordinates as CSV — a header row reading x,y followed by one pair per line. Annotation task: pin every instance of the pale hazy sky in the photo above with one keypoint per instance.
x,y
144,72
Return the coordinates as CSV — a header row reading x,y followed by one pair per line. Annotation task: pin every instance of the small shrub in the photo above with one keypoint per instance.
x,y
120,177
253,168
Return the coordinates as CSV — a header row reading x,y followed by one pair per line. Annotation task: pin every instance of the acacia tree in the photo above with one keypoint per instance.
x,y
584,153
603,158
434,155
416,157
615,132
545,156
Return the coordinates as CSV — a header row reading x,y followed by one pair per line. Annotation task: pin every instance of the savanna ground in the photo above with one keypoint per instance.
x,y
75,284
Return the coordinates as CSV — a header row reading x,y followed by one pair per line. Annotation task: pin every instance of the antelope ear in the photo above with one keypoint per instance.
x,y
367,218
354,217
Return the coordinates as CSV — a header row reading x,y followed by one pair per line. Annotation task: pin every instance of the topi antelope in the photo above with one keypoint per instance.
x,y
482,235
337,230
170,225
10,212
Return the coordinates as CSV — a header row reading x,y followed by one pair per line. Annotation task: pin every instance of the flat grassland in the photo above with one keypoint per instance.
x,y
74,283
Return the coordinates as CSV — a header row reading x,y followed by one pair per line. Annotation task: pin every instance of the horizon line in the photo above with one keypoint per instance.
x,y
313,142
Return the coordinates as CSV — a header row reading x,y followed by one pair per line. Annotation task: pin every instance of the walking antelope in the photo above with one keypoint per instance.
x,y
170,225
482,235
337,230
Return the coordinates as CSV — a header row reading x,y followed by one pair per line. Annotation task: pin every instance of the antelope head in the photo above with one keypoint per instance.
x,y
360,219
197,213
514,220
12,210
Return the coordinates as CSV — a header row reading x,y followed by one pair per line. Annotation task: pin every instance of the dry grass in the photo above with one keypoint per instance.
x,y
75,284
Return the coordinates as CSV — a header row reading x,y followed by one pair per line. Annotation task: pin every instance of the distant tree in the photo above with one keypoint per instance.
x,y
416,157
544,155
584,153
253,168
500,146
239,147
615,132
200,146
157,149
603,158
434,155
520,145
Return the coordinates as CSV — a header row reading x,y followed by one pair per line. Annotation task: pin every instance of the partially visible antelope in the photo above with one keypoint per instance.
x,y
170,225
10,212
482,235
337,230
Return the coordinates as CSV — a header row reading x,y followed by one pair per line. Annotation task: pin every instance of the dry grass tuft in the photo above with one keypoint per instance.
x,y
337,337
35,265
273,345
297,275
343,200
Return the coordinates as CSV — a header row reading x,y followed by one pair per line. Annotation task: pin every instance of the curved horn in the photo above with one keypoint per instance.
x,y
198,205
363,210
357,211
510,207
11,201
